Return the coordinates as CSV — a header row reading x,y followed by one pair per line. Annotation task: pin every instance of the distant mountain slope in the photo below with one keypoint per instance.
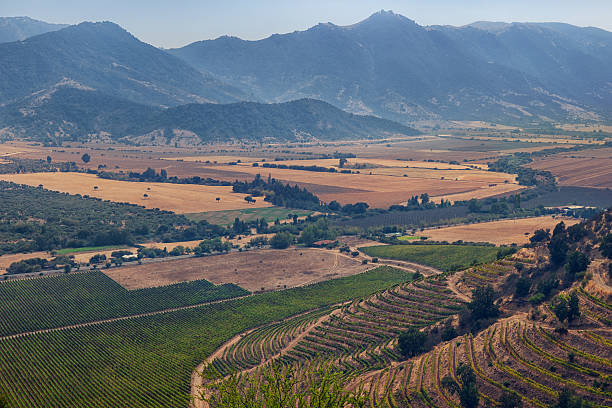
x,y
68,113
107,58
390,66
20,28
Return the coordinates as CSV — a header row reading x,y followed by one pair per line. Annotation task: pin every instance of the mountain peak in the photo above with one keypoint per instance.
x,y
383,17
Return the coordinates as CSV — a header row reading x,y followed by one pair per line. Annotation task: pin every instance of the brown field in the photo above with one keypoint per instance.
x,y
252,270
483,192
185,198
588,168
504,232
380,190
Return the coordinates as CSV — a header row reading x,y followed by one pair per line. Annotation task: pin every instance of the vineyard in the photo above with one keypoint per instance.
x,y
443,257
56,301
147,361
523,355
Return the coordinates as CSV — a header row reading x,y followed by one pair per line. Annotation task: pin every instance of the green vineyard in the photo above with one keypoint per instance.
x,y
147,361
57,301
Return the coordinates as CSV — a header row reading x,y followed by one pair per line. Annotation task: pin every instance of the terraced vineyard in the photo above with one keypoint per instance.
x,y
518,354
514,355
147,361
360,335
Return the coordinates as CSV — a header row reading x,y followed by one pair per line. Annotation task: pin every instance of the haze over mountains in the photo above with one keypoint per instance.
x,y
387,66
20,28
390,66
66,113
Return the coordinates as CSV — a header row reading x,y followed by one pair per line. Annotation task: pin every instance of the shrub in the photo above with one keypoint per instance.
x,y
281,240
412,342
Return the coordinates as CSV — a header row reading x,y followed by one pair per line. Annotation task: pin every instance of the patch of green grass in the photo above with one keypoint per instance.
x,y
226,217
66,251
443,257
147,361
408,238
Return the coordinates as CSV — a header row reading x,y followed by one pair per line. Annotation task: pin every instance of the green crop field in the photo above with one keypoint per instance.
x,y
147,361
443,257
270,214
55,301
66,251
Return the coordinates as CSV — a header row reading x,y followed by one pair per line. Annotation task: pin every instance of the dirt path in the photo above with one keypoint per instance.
x,y
196,375
452,285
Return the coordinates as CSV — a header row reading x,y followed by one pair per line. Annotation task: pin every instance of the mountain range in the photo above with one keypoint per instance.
x,y
385,66
105,57
390,66
20,28
70,113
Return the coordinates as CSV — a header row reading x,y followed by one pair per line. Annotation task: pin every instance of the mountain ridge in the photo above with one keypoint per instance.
x,y
72,112
106,57
390,66
22,27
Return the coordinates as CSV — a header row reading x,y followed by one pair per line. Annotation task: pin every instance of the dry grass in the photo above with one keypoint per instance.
x,y
502,232
252,270
589,168
180,198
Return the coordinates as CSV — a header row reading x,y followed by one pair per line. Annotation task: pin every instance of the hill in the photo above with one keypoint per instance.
x,y
105,57
392,67
69,113
20,28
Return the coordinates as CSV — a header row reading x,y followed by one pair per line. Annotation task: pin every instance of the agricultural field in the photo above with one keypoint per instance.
x,y
87,297
270,214
586,168
252,270
443,257
387,185
503,232
147,361
171,197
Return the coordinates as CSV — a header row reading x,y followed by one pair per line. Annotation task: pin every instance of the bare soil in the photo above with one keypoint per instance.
x,y
252,270
502,232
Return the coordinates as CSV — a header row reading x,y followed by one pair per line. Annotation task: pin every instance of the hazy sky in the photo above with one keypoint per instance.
x,y
168,23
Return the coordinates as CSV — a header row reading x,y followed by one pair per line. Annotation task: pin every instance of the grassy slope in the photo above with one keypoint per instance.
x,y
147,362
444,257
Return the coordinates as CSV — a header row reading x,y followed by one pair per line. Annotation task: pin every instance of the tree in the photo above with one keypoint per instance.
x,y
468,391
523,284
86,158
482,305
567,399
424,198
49,159
606,246
281,240
576,262
539,236
573,306
558,248
412,342
510,400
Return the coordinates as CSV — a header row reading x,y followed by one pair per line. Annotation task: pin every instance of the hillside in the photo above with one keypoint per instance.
x,y
105,57
390,66
485,341
20,28
67,113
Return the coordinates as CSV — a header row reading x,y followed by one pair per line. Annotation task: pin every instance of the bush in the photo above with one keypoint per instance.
x,y
482,305
523,284
537,298
412,342
576,262
281,240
